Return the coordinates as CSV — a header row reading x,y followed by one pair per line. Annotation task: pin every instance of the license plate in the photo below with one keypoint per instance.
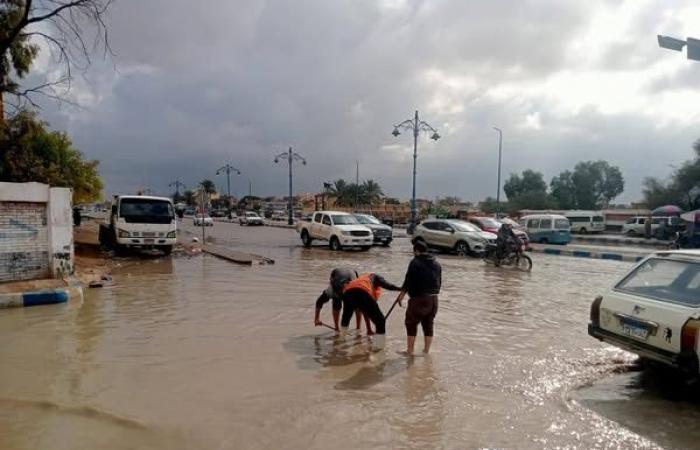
x,y
635,332
148,241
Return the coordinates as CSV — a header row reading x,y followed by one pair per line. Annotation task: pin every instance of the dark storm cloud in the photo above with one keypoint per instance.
x,y
200,84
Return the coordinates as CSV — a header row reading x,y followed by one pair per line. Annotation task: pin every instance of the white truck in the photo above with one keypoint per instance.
x,y
140,221
339,229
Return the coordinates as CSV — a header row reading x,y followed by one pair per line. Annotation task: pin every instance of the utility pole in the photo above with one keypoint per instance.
x,y
178,184
228,168
415,126
290,156
357,185
250,188
498,190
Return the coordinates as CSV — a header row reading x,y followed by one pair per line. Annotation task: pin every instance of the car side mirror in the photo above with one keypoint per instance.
x,y
452,231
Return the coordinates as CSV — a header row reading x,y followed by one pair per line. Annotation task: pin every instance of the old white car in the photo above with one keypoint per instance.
x,y
654,310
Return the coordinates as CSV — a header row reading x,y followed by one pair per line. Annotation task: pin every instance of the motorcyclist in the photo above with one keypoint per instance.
x,y
505,238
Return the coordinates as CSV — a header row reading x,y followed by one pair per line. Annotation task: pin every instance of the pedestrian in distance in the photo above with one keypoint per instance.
x,y
647,227
339,278
363,293
422,283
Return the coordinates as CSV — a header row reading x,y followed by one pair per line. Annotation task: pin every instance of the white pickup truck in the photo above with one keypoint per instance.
x,y
339,229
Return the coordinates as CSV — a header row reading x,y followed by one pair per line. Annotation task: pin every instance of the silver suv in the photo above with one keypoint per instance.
x,y
456,235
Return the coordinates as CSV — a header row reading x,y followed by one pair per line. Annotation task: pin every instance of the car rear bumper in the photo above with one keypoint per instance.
x,y
687,362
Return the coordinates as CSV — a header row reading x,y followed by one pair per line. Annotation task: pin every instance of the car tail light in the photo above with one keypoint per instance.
x,y
689,335
595,311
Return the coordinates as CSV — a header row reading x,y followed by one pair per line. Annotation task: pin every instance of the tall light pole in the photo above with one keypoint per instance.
x,y
670,43
357,185
290,156
498,190
228,168
178,184
416,126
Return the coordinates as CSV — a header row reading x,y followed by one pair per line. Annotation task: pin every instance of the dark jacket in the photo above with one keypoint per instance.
x,y
423,277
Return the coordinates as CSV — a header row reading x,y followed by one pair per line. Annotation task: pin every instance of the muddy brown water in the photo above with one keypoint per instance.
x,y
200,353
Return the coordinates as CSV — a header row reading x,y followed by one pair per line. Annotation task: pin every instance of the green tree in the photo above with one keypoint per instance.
x,y
370,192
683,189
563,190
70,29
34,153
208,186
596,183
530,181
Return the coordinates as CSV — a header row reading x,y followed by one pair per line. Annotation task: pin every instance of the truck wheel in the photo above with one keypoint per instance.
x,y
334,244
167,249
386,243
306,239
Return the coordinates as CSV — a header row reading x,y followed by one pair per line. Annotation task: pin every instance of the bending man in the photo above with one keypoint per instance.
x,y
363,293
339,278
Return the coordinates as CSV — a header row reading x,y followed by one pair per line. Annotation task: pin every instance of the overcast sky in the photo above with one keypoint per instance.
x,y
199,84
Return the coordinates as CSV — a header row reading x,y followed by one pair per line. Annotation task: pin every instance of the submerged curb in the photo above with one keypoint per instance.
x,y
622,241
613,256
41,297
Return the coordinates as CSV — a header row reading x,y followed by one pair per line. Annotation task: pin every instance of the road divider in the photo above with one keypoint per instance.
x,y
627,255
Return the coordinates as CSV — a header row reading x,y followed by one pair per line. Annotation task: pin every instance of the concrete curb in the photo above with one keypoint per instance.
x,y
621,241
41,297
613,256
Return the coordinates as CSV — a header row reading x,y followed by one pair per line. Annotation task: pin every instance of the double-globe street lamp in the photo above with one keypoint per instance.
x,y
290,156
416,126
228,168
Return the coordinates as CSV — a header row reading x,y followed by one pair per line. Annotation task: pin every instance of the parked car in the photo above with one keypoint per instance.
x,y
547,228
340,229
189,212
486,224
586,221
456,235
383,234
635,225
654,310
250,218
218,213
203,220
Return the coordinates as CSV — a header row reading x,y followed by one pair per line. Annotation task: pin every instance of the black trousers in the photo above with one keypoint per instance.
x,y
359,299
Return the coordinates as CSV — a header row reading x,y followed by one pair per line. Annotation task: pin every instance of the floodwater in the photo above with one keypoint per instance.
x,y
199,353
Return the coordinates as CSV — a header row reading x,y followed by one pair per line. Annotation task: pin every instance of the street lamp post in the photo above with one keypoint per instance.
x,y
416,126
670,43
228,168
290,156
178,184
498,190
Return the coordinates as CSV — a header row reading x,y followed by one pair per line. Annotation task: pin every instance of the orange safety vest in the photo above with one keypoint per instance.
x,y
364,282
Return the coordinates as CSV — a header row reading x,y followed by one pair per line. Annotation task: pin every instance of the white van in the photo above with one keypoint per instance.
x,y
586,221
547,228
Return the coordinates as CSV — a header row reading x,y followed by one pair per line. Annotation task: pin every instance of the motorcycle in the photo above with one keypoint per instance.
x,y
514,256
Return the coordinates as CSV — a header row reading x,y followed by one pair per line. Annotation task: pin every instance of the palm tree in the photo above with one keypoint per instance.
x,y
208,186
370,192
343,193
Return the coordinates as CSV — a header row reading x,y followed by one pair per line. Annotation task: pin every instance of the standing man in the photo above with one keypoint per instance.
x,y
339,278
423,282
363,293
